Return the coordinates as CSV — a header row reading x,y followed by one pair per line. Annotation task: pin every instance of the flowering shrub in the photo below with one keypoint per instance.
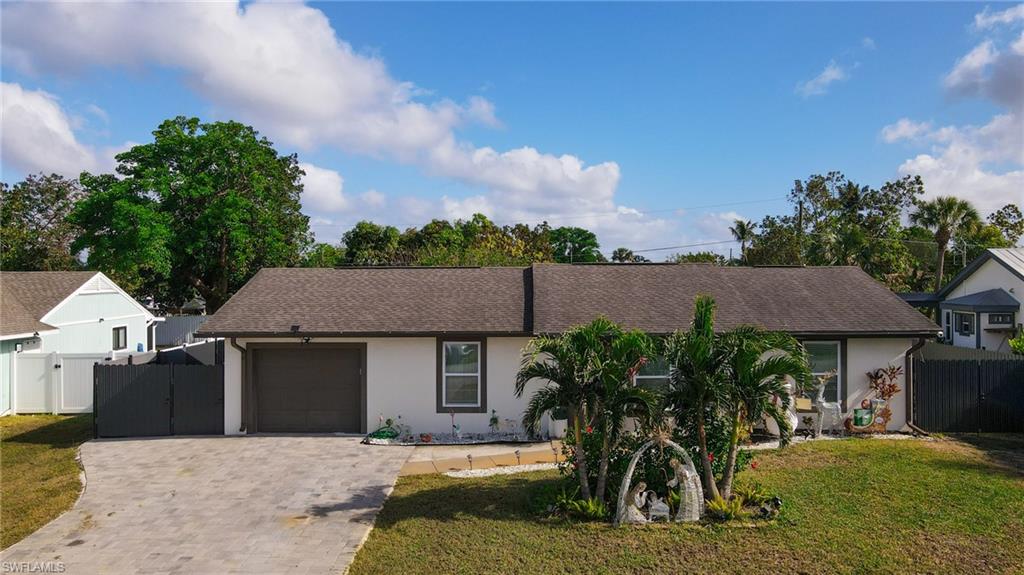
x,y
883,381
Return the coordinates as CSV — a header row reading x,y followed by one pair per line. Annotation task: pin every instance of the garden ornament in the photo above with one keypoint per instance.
x,y
657,508
770,509
623,513
691,501
769,424
833,409
631,513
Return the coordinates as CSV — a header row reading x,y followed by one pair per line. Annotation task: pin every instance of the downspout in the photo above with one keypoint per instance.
x,y
908,370
245,395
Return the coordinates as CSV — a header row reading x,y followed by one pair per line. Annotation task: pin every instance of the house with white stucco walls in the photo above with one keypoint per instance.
x,y
333,350
980,307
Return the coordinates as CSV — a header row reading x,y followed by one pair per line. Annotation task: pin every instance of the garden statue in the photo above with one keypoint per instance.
x,y
657,508
494,423
770,509
769,424
635,500
691,502
833,409
688,483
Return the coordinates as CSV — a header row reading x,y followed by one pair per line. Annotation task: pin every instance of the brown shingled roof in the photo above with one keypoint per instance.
x,y
659,298
548,298
25,297
376,301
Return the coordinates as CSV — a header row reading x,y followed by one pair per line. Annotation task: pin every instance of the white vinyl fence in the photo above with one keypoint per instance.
x,y
54,382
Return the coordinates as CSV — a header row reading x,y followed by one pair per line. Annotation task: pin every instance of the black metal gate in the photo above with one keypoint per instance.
x,y
969,395
158,399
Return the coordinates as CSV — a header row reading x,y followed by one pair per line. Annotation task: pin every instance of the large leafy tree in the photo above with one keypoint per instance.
x,y
370,244
575,245
778,243
946,217
323,255
626,255
1010,222
200,209
35,232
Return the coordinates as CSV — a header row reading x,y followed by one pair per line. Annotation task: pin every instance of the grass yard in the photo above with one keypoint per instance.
x,y
38,471
853,506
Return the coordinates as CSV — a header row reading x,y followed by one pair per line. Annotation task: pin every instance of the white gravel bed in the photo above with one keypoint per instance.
x,y
775,444
507,470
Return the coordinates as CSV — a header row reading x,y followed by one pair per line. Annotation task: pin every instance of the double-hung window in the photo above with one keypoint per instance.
x,y
120,338
964,323
653,375
461,376
825,359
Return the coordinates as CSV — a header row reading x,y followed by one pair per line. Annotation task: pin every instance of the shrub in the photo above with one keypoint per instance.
x,y
726,510
753,495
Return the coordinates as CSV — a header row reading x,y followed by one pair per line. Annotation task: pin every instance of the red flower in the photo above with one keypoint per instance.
x,y
753,465
711,457
590,429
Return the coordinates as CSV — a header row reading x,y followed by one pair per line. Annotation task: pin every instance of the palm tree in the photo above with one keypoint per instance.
x,y
570,364
946,216
618,397
744,231
759,363
697,378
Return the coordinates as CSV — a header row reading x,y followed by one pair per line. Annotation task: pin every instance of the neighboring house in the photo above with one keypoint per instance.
x,y
53,327
980,307
176,330
332,350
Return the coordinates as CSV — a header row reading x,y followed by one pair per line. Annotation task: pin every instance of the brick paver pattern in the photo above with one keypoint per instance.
x,y
260,504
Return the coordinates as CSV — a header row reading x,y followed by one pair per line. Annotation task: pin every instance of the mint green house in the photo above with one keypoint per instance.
x,y
53,327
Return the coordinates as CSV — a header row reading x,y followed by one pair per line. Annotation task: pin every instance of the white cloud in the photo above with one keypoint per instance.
x,y
281,67
373,198
37,134
905,129
969,69
819,85
868,43
322,189
987,19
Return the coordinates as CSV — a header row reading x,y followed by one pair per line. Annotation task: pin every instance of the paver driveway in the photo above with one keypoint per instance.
x,y
262,504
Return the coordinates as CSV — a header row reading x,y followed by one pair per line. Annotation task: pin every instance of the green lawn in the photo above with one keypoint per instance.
x,y
853,506
38,472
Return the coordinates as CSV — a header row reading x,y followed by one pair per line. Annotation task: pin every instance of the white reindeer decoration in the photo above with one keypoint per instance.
x,y
833,409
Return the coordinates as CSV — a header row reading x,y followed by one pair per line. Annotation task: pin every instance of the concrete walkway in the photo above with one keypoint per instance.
x,y
263,504
440,458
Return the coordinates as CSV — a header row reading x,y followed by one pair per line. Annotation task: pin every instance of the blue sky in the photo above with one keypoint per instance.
x,y
652,124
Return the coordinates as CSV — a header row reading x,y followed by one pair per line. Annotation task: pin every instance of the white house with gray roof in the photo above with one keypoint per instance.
x,y
980,308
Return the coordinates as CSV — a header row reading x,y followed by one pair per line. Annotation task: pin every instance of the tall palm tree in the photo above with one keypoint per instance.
x,y
758,365
744,232
618,397
570,364
697,378
946,216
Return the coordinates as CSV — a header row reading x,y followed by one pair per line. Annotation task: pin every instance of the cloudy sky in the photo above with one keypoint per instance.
x,y
653,125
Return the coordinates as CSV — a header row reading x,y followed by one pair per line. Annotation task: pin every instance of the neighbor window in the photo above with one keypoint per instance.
x,y
120,337
461,376
824,358
964,323
653,375
949,328
1000,318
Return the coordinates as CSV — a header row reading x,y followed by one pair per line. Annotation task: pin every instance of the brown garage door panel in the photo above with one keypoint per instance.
x,y
308,389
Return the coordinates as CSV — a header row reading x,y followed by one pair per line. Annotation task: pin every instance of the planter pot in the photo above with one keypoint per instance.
x,y
426,437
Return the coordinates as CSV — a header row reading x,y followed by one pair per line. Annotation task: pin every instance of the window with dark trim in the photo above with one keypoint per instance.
x,y
964,323
1000,318
461,376
825,357
653,375
120,338
949,327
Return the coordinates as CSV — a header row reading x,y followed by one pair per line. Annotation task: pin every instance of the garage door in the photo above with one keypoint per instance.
x,y
308,388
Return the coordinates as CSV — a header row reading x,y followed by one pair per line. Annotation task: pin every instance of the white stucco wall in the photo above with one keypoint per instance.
x,y
401,379
869,354
991,275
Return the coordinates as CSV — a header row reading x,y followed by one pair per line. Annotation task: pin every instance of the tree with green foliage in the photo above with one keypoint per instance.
x,y
1010,222
575,245
697,258
946,217
626,256
323,255
370,244
777,244
744,231
200,209
35,232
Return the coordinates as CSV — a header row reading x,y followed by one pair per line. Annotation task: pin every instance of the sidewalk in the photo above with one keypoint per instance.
x,y
440,458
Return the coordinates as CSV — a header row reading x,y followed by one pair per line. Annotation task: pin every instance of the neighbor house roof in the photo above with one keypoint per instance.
x,y
996,299
1010,258
548,298
660,298
376,301
25,297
